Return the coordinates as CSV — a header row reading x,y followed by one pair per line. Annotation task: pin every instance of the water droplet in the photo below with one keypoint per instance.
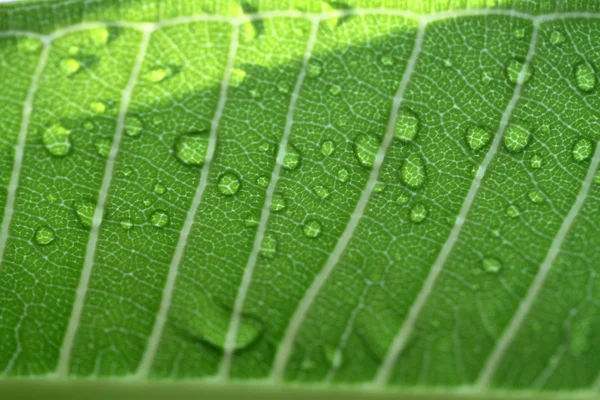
x,y
73,50
413,171
229,184
255,94
366,148
277,203
159,74
513,71
519,33
29,44
191,149
56,140
69,66
97,107
379,187
99,36
264,146
418,213
147,202
238,76
128,171
343,175
314,68
557,38
335,90
291,159
477,137
516,138
327,148
582,149
126,224
491,265
248,32
159,188
85,212
283,88
513,211
321,191
103,147
262,181
44,235
159,218
536,196
585,77
252,220
133,126
268,247
52,197
387,60
536,161
312,228
402,199
447,63
407,126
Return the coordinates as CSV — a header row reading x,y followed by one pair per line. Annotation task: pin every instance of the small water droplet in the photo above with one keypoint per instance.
x,y
229,184
159,218
519,33
536,196
343,175
133,126
99,36
557,38
582,149
262,181
447,63
387,60
335,90
418,213
413,171
89,125
251,220
52,197
277,203
491,265
291,159
159,188
513,71
191,149
158,74
268,247
283,88
103,147
128,171
379,187
126,224
238,76
56,140
513,211
146,202
69,66
29,44
97,107
327,148
312,228
44,235
585,77
264,146
321,191
402,199
407,126
73,50
516,138
536,161
314,68
255,94
85,212
477,137
366,148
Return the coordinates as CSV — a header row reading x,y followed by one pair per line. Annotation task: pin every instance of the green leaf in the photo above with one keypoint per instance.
x,y
393,195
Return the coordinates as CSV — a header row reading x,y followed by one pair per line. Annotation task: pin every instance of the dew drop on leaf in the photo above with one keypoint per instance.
x,y
536,161
314,68
343,175
238,76
418,213
387,60
99,36
52,198
477,137
44,235
85,212
513,71
159,188
312,228
327,148
69,66
379,187
407,126
29,44
491,265
402,199
159,218
516,138
268,247
126,224
277,203
321,191
229,184
283,88
103,147
262,181
518,33
366,149
585,77
133,126
56,140
582,149
157,75
251,220
536,196
557,38
291,159
191,149
413,171
97,107
335,90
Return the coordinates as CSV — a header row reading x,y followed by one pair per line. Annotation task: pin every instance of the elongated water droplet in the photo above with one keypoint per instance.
x,y
312,228
56,140
582,149
159,74
159,188
516,138
491,265
585,77
133,126
69,66
513,71
292,157
277,203
536,196
536,161
103,147
85,212
229,184
413,171
97,107
321,191
477,137
44,235
407,126
513,211
191,149
557,38
327,148
418,213
159,218
366,148
268,247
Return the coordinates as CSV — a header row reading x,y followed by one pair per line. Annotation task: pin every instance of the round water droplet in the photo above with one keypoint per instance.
x,y
312,228
133,126
491,265
418,213
159,188
335,90
238,76
379,187
229,184
321,191
69,66
582,149
447,63
407,126
99,36
477,137
413,172
97,107
191,149
536,196
159,74
291,159
557,38
29,44
402,199
387,60
513,211
73,50
126,224
44,235
519,33
262,181
513,71
277,203
89,125
264,147
147,202
85,212
314,68
343,175
327,148
366,148
103,147
56,140
268,247
585,77
516,138
255,94
159,218
536,161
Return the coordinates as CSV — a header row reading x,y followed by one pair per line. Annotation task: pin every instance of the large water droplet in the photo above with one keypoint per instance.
x,y
477,137
277,203
44,235
103,147
133,126
159,74
312,228
56,140
582,149
268,247
191,149
536,196
366,148
85,212
327,148
413,171
159,218
69,66
418,213
291,159
585,77
407,126
516,138
491,265
229,184
513,71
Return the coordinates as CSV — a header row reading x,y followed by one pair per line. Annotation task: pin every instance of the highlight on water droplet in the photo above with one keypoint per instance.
x,y
513,211
407,126
536,196
103,147
327,148
366,148
97,107
477,137
133,126
321,191
343,175
229,184
585,77
536,161
491,265
44,235
191,149
312,228
69,66
158,74
557,37
314,68
516,138
85,212
291,159
277,203
159,218
582,149
56,140
413,171
268,247
159,188
418,213
513,71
